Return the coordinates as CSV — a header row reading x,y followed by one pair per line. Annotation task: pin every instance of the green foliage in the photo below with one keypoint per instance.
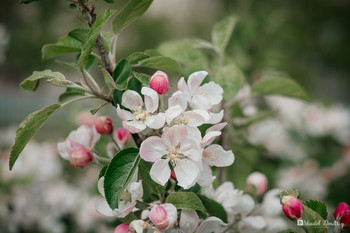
x,y
222,32
278,85
119,173
121,74
64,45
144,170
28,128
92,35
165,64
102,172
80,34
27,1
69,93
317,206
310,216
131,12
186,200
214,208
142,78
32,82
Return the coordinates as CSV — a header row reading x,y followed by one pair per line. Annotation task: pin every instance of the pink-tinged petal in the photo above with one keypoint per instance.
x,y
178,98
191,148
211,224
134,126
215,118
62,150
124,209
152,149
209,138
292,207
196,117
171,212
84,135
95,137
103,208
160,171
172,112
72,145
174,135
124,115
258,180
212,91
215,155
216,127
131,100
151,99
189,220
155,121
123,228
187,173
159,217
100,186
195,80
182,85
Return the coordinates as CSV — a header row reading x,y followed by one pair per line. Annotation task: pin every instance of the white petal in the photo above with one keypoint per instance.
x,y
100,186
211,224
175,135
160,171
124,115
134,126
212,91
187,173
217,127
195,133
138,225
172,112
245,205
171,213
215,118
151,99
195,80
197,117
124,209
152,149
155,121
189,221
103,208
95,138
84,136
253,222
206,177
215,155
178,98
191,148
209,138
62,150
136,191
131,100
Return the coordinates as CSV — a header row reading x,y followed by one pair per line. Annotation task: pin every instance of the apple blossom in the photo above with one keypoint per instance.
x,y
104,125
292,207
122,136
159,82
80,157
123,228
163,216
177,147
342,213
139,118
258,180
190,223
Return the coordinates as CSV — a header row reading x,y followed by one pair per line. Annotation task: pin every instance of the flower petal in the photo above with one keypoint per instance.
x,y
62,150
172,112
189,220
136,191
155,121
131,100
151,99
191,148
209,138
103,208
174,135
215,155
134,126
138,225
215,118
187,173
211,224
160,171
100,186
217,127
152,149
178,98
196,117
124,209
212,91
124,115
195,80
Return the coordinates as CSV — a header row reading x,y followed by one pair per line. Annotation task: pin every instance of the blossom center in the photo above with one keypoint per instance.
x,y
182,119
174,155
139,114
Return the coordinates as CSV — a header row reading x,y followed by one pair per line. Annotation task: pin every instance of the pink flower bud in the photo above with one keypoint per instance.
x,y
159,82
173,175
122,136
104,125
292,207
163,216
80,157
259,180
123,228
342,213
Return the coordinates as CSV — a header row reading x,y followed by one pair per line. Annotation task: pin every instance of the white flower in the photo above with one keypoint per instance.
x,y
178,147
189,222
131,194
84,137
140,117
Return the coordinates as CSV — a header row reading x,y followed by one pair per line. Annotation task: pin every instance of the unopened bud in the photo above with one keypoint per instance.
x,y
163,216
122,136
258,180
123,228
292,207
159,82
342,213
104,125
80,157
173,175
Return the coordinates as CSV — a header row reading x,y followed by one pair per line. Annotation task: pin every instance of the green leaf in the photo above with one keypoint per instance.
x,y
278,85
108,78
109,1
222,32
121,74
52,50
27,1
32,82
28,128
130,12
186,200
134,58
95,110
67,95
119,173
313,222
94,31
144,170
143,78
231,79
214,208
80,34
291,192
317,206
102,172
165,64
